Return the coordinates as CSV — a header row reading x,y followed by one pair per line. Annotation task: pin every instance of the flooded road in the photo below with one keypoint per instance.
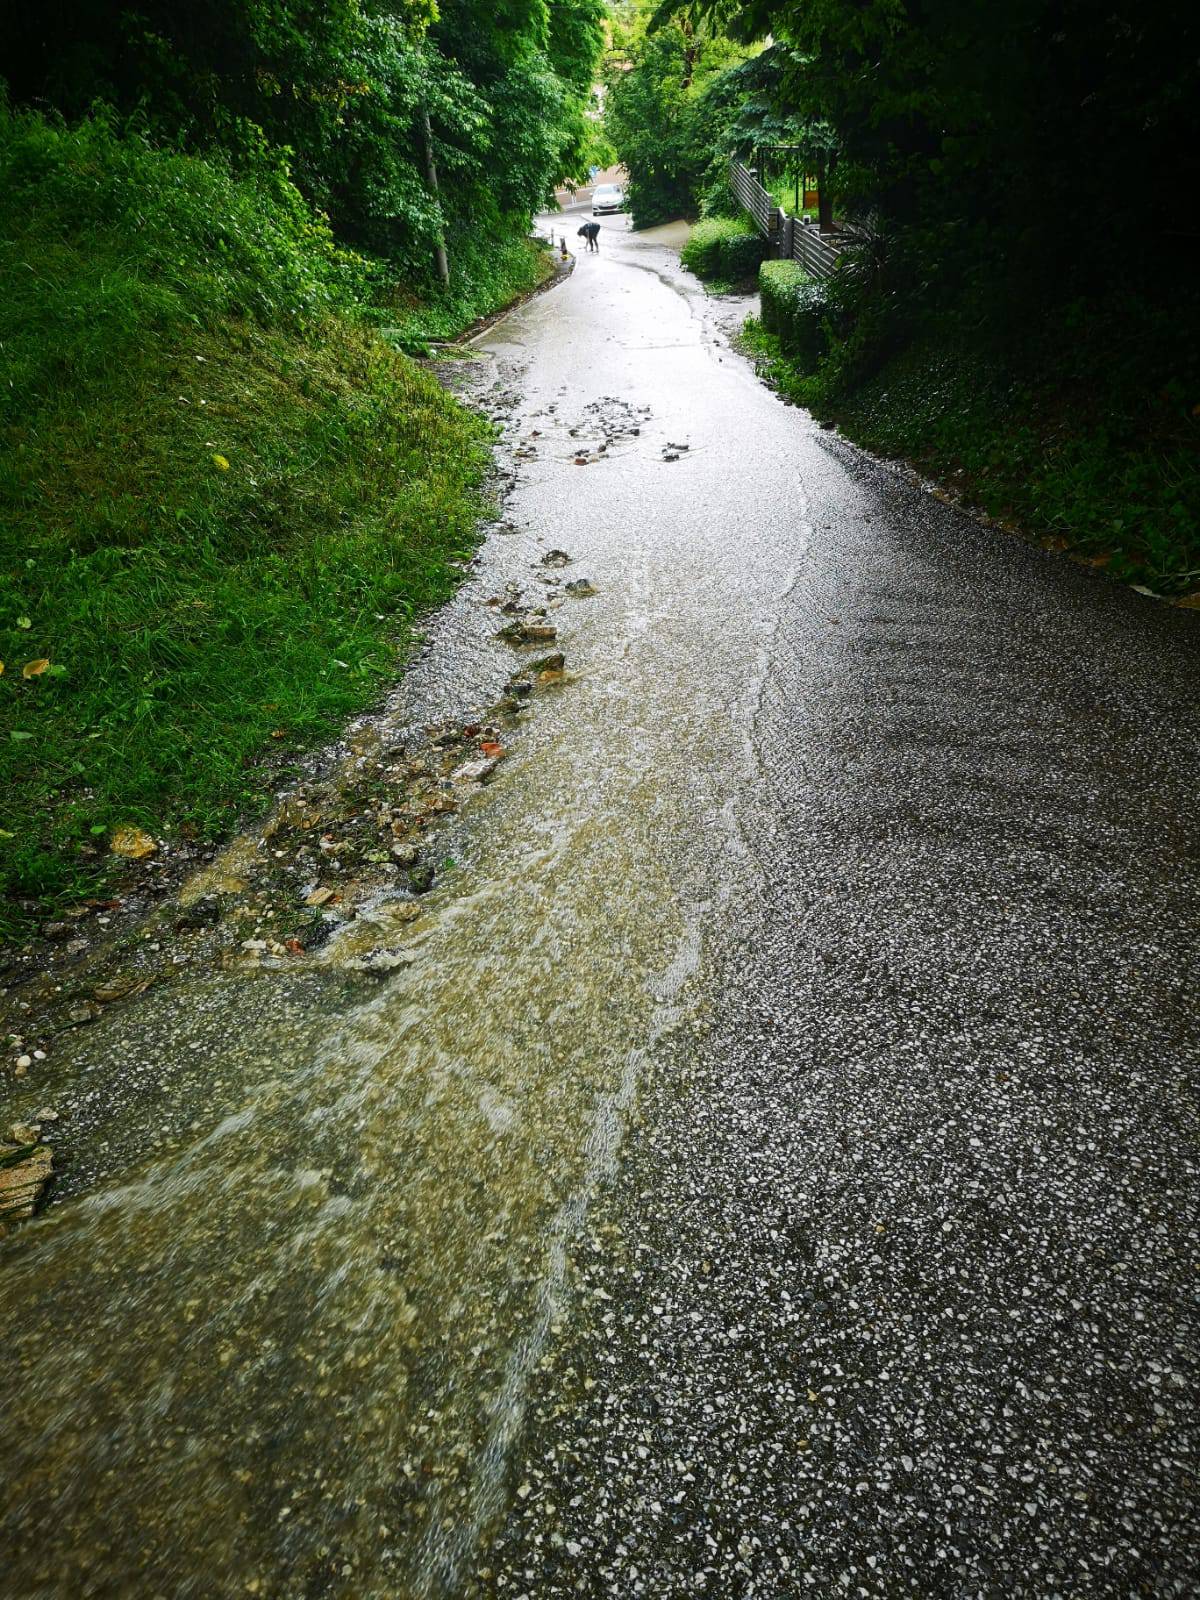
x,y
775,1172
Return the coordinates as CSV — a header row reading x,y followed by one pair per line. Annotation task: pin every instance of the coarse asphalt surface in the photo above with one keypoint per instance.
x,y
766,1162
895,1291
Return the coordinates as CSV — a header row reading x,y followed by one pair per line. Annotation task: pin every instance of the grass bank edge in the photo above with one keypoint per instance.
x,y
1099,476
226,497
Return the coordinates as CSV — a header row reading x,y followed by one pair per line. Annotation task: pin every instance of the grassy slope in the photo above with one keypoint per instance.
x,y
155,316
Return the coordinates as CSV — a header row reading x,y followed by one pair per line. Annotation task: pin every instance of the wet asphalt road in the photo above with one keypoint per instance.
x,y
895,1292
775,1173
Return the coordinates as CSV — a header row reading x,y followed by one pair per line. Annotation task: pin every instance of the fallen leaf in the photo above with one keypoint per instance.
x,y
24,622
34,669
490,748
18,736
220,461
132,843
294,946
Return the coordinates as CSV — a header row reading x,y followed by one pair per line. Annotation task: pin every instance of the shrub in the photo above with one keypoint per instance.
x,y
727,249
796,310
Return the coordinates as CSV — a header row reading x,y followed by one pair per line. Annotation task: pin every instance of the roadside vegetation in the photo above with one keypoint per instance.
x,y
226,491
1018,313
725,251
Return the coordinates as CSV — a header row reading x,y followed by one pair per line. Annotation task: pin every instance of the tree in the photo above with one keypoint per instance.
x,y
359,100
666,114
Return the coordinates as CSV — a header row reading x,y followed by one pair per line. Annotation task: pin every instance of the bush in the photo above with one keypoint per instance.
x,y
727,249
796,310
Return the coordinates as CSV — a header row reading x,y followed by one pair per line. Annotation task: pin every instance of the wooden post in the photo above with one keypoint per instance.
x,y
431,177
824,198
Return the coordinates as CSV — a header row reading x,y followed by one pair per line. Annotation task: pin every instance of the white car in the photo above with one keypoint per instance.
x,y
608,197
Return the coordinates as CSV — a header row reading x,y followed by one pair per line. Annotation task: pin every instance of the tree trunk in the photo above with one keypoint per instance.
x,y
824,197
691,50
431,177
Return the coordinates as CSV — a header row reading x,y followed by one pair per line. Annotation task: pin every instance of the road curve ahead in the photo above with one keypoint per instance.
x,y
765,1164
895,1293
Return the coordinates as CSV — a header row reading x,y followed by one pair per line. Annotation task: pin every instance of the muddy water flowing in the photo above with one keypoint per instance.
x,y
280,1345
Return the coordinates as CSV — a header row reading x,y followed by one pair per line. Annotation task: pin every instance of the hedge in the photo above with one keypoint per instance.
x,y
796,310
726,248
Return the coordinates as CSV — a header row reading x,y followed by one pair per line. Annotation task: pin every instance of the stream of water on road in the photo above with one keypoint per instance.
x,y
280,1346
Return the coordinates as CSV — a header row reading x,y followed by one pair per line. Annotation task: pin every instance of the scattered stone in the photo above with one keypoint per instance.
x,y
475,771
381,962
404,854
581,589
319,897
25,1170
670,455
554,662
55,930
556,558
528,633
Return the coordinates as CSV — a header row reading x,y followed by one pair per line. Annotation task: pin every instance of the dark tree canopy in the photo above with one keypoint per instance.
x,y
338,89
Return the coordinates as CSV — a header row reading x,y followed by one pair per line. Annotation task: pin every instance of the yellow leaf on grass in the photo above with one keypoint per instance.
x,y
34,669
220,461
132,843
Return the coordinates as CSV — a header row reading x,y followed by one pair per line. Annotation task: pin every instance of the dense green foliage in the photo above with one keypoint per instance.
x,y
667,110
796,311
725,250
219,528
336,92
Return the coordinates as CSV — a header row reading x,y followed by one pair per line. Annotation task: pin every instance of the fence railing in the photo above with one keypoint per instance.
x,y
755,199
792,239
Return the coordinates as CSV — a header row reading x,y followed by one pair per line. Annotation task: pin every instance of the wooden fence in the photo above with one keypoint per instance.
x,y
754,198
791,239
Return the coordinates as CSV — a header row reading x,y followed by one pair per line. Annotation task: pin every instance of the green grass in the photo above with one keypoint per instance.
x,y
1066,448
157,315
783,192
483,281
